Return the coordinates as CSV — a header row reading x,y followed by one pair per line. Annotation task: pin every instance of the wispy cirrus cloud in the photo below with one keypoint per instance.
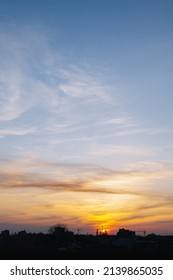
x,y
33,76
18,131
143,130
148,165
79,83
24,80
12,97
108,150
119,121
31,172
127,125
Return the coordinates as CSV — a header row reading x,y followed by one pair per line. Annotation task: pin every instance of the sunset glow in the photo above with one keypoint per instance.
x,y
86,116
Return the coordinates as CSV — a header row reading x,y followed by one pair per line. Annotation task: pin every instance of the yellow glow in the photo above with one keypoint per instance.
x,y
120,201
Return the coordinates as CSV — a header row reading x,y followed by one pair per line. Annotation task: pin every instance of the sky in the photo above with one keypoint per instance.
x,y
86,115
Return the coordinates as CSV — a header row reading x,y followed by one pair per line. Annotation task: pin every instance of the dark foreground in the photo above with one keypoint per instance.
x,y
85,247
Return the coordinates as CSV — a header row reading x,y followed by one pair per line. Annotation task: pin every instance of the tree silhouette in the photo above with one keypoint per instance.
x,y
58,229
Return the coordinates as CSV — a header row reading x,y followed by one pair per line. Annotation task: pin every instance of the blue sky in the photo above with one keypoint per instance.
x,y
86,104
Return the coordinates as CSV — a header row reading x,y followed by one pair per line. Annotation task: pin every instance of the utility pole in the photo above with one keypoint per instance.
x,y
78,230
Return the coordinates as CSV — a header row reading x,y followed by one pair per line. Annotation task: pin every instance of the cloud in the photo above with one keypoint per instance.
x,y
26,59
121,196
108,150
15,95
166,221
77,178
147,165
12,181
62,177
79,83
25,180
119,121
17,131
12,105
35,76
126,125
143,130
154,208
39,88
138,217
